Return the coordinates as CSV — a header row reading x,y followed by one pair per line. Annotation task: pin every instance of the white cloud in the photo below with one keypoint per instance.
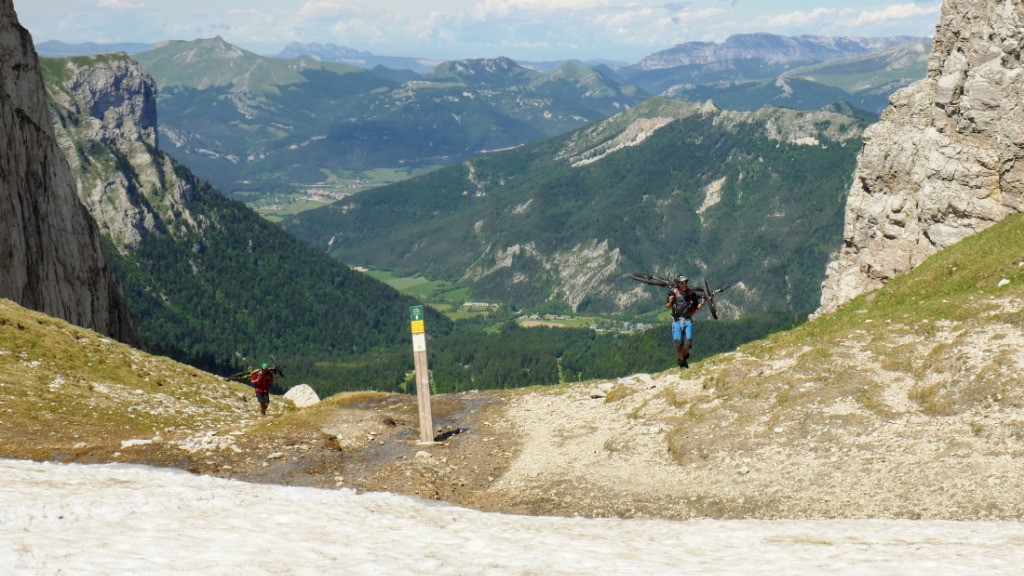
x,y
705,14
119,4
896,12
659,27
624,18
498,8
800,18
317,8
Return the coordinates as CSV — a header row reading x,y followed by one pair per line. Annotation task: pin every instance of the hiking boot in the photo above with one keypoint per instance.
x,y
684,364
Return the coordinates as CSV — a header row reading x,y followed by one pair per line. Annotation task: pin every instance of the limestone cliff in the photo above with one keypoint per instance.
x,y
51,257
104,110
945,160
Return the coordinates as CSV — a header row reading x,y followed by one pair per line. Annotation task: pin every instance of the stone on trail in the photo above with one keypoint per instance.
x,y
302,396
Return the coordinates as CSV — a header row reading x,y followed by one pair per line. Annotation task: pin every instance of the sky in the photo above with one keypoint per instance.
x,y
118,519
527,30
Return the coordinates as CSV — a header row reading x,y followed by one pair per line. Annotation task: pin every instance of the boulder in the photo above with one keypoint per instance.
x,y
302,396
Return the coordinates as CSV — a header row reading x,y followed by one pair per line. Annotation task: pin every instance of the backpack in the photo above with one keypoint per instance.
x,y
682,306
261,380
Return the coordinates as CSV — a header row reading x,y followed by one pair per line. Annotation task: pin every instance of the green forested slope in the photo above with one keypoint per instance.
x,y
714,194
210,281
246,289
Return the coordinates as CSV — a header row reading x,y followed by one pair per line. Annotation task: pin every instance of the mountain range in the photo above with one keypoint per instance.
x,y
58,49
751,71
328,121
215,285
253,125
771,49
666,187
333,53
865,82
328,52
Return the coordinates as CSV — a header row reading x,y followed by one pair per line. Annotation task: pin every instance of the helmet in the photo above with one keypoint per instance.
x,y
680,279
264,366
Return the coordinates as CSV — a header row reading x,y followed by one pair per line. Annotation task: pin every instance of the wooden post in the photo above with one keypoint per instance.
x,y
419,352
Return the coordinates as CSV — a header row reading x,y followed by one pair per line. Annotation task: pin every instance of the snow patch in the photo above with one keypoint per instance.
x,y
117,519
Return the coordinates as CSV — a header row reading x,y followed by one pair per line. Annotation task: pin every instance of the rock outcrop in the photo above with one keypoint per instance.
x,y
945,161
105,121
51,256
302,396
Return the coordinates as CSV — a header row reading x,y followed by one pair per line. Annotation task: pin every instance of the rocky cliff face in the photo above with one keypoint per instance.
x,y
945,161
105,121
51,257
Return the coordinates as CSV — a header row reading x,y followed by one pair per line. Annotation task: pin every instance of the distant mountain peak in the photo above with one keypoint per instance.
x,y
222,47
328,52
771,48
497,71
321,50
58,49
709,108
474,65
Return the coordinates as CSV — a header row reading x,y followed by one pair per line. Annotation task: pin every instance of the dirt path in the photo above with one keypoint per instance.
x,y
369,443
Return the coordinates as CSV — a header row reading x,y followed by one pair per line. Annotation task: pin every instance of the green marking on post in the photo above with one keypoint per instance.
x,y
416,313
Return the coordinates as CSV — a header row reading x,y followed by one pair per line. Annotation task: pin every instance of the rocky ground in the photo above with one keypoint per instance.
x,y
884,410
608,449
364,441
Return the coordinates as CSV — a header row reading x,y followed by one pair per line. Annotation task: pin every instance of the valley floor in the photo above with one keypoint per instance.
x,y
119,519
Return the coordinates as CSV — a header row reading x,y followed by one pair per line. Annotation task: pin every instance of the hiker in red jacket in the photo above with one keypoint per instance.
x,y
261,380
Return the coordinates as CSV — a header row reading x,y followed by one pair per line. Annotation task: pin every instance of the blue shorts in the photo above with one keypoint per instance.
x,y
680,326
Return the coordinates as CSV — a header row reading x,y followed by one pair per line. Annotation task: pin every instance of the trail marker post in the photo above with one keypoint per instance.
x,y
419,353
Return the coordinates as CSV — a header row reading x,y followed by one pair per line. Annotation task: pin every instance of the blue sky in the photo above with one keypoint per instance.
x,y
453,29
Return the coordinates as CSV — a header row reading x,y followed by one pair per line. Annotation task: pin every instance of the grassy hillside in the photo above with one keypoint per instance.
x,y
947,330
69,393
941,341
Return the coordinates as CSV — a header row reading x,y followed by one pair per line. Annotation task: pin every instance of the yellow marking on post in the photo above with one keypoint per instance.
x,y
418,327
